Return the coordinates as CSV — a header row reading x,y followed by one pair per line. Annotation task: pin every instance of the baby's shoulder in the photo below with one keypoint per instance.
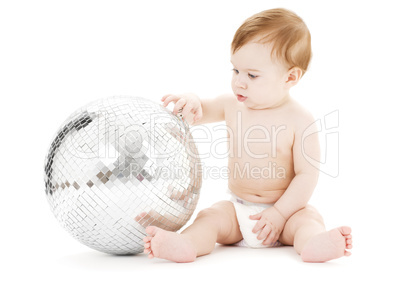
x,y
299,115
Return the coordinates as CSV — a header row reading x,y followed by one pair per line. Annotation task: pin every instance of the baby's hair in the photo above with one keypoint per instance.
x,y
288,34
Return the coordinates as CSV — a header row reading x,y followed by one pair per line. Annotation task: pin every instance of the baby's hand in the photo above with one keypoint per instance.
x,y
270,224
189,106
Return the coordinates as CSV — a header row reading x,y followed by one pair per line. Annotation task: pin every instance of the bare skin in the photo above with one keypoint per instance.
x,y
328,245
304,230
267,164
169,245
175,247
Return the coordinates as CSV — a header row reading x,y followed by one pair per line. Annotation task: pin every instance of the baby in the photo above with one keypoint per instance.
x,y
270,179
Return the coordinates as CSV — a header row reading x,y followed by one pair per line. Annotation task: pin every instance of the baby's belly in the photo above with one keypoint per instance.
x,y
259,184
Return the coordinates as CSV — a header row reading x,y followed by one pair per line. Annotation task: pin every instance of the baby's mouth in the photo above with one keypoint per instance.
x,y
241,98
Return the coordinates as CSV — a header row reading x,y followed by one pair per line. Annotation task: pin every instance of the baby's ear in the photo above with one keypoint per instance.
x,y
293,76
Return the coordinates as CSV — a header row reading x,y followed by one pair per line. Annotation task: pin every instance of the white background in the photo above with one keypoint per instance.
x,y
56,56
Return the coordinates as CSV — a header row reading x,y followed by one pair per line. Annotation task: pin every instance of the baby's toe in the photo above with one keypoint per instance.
x,y
345,230
152,230
147,239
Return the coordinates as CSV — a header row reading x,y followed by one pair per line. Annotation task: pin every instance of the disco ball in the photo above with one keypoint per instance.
x,y
117,166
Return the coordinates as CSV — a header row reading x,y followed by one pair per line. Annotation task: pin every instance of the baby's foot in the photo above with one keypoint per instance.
x,y
168,245
328,245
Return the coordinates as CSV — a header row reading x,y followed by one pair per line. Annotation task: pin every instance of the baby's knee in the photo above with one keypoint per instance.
x,y
216,210
208,212
311,213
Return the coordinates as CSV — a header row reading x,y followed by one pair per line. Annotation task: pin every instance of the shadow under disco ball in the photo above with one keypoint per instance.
x,y
117,166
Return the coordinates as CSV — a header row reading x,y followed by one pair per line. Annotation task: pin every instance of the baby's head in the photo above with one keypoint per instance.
x,y
286,32
270,53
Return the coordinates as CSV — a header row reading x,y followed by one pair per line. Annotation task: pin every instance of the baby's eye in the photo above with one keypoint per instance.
x,y
235,70
252,76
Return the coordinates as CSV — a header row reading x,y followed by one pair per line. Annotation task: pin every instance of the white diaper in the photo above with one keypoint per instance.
x,y
243,210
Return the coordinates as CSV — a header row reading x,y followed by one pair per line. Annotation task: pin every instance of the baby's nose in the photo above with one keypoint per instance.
x,y
240,84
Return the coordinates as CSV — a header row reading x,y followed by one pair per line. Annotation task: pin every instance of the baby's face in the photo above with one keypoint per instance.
x,y
258,80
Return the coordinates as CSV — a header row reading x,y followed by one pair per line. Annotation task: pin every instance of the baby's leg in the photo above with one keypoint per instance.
x,y
305,230
212,225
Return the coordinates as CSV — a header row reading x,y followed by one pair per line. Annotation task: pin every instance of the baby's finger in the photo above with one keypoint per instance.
x,y
165,96
188,113
198,114
272,238
179,105
186,110
258,226
264,233
256,216
170,98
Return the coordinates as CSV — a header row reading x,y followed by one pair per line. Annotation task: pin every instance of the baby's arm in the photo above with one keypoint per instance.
x,y
272,220
196,111
302,186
